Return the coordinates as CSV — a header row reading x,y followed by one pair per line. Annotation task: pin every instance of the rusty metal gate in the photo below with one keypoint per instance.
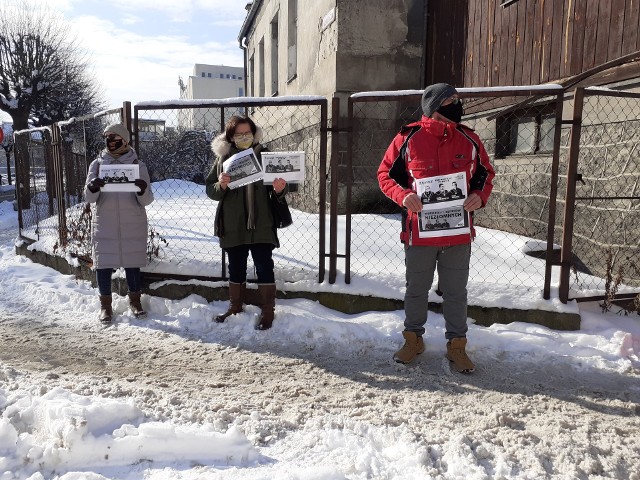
x,y
601,230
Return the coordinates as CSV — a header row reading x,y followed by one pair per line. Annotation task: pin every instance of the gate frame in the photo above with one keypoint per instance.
x,y
533,92
570,198
247,102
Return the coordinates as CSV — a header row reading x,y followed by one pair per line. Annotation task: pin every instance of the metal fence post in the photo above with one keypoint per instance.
x,y
322,190
58,183
125,115
553,194
569,207
333,196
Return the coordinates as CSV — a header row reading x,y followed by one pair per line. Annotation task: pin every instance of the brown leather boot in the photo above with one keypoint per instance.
x,y
237,292
413,345
456,353
135,305
106,311
267,295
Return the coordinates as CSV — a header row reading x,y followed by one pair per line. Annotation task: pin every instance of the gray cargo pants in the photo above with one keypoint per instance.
x,y
453,273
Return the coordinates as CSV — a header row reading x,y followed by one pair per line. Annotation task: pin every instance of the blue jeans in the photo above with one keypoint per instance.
x,y
103,276
261,253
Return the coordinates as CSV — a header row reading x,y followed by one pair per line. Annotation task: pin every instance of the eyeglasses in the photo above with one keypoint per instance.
x,y
242,136
113,137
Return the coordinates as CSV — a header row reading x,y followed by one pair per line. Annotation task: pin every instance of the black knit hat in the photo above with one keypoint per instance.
x,y
434,95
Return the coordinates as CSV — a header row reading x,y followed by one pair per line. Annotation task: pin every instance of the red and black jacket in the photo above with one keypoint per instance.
x,y
430,148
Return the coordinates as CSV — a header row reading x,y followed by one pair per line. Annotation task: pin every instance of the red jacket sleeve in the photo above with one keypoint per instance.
x,y
392,172
482,180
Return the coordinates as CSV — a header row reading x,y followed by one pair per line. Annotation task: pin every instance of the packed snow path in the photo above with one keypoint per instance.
x,y
512,415
315,398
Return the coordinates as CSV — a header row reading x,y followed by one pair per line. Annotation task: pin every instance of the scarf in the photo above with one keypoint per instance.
x,y
249,201
119,152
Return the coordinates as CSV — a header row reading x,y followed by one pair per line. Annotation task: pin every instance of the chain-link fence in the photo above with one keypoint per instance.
x,y
604,194
54,160
520,143
35,194
174,141
530,147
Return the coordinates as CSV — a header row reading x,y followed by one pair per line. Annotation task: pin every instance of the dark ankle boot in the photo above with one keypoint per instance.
x,y
267,295
237,293
106,312
135,305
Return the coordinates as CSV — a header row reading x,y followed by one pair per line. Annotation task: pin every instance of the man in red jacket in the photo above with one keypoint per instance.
x,y
435,150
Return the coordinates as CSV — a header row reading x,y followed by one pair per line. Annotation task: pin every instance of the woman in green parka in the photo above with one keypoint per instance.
x,y
244,222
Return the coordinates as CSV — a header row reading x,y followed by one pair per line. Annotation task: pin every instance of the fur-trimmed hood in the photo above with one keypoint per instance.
x,y
221,147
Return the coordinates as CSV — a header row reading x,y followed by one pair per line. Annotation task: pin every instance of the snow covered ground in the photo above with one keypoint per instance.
x,y
177,396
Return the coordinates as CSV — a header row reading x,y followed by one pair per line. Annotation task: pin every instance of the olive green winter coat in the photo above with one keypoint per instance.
x,y
231,214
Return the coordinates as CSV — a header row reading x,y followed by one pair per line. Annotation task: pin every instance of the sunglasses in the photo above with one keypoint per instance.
x,y
113,137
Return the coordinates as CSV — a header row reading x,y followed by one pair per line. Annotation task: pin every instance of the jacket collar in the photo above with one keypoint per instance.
x,y
221,147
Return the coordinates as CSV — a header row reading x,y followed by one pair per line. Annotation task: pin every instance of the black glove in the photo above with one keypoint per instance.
x,y
141,184
95,185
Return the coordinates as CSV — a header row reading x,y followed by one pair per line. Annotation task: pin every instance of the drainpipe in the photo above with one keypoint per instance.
x,y
244,47
423,59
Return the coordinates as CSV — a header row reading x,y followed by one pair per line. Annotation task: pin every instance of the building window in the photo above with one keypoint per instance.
x,y
241,92
239,77
233,76
292,43
222,75
261,68
274,56
203,75
526,132
209,75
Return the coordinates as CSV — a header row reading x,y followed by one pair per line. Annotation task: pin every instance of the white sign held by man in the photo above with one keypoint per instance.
x,y
442,212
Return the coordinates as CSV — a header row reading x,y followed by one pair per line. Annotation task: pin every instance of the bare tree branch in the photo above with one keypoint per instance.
x,y
43,73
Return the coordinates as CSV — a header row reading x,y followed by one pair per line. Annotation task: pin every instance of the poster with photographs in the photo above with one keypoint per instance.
x,y
119,178
442,212
286,165
243,168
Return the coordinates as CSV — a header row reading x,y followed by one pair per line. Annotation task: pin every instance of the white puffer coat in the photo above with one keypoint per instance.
x,y
119,226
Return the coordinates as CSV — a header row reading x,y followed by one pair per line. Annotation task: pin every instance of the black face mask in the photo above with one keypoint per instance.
x,y
453,111
113,146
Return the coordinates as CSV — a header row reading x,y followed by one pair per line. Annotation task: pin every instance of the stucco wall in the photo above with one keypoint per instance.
x,y
380,44
316,52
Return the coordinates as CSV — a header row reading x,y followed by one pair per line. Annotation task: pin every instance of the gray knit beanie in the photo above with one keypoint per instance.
x,y
434,95
118,129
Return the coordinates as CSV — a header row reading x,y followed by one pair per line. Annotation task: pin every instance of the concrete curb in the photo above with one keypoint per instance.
x,y
342,302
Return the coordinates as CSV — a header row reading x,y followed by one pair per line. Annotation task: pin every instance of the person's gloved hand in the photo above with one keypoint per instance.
x,y
141,184
95,185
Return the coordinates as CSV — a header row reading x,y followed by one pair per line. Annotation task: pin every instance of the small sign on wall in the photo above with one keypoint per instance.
x,y
328,19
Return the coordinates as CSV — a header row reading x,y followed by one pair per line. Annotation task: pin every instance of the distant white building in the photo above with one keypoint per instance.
x,y
209,82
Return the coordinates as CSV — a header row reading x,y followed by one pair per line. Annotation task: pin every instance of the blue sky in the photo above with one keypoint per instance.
x,y
139,48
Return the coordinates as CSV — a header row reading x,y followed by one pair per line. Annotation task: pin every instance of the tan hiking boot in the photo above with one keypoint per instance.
x,y
413,345
457,355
